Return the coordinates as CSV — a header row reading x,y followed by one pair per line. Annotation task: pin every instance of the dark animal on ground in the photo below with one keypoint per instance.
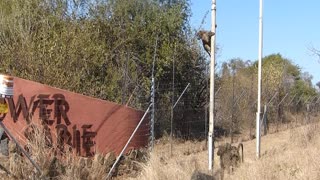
x,y
197,175
229,157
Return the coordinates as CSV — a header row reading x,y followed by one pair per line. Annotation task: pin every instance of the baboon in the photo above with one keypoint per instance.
x,y
205,36
235,153
229,157
197,175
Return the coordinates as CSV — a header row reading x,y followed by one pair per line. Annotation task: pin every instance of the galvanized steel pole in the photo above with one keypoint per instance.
x,y
212,72
259,80
171,130
153,93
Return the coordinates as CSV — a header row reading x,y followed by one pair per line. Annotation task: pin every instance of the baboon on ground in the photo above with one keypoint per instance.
x,y
197,175
205,36
235,153
229,157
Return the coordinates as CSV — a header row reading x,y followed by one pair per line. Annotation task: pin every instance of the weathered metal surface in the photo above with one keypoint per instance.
x,y
89,125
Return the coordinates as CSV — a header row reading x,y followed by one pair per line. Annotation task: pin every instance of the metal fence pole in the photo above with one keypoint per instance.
x,y
152,119
212,80
171,128
153,97
259,80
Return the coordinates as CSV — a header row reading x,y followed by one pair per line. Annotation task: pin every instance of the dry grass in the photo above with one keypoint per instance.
x,y
53,163
186,158
291,154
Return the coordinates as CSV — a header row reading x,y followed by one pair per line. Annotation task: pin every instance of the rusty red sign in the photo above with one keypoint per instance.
x,y
87,124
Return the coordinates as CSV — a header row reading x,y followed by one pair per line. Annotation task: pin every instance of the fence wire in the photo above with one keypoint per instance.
x,y
235,110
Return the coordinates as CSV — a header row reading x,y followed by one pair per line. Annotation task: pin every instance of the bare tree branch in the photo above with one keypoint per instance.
x,y
315,52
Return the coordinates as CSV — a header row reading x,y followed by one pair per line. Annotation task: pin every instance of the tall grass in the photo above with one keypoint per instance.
x,y
298,158
292,154
54,164
186,159
158,168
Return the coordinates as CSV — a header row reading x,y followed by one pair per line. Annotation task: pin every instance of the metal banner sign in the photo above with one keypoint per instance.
x,y
86,124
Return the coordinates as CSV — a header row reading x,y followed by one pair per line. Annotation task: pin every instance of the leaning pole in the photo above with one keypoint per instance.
x,y
212,69
259,80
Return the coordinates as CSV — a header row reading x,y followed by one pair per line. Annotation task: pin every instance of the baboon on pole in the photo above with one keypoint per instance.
x,y
205,37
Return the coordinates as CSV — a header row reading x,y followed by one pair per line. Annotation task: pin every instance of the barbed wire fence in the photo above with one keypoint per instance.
x,y
234,113
187,118
182,116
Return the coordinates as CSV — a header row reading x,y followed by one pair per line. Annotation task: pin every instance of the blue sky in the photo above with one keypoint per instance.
x,y
291,27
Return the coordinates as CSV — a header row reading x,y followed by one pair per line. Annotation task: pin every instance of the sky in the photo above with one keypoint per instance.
x,y
290,27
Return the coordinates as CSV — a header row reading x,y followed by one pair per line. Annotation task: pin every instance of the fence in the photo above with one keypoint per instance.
x,y
234,113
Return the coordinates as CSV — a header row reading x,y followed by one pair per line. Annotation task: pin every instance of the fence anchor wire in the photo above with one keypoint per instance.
x,y
181,95
283,99
19,146
272,98
125,147
172,115
289,103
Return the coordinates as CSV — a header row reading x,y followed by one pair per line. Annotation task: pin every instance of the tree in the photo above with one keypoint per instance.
x,y
315,51
318,84
101,48
281,78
